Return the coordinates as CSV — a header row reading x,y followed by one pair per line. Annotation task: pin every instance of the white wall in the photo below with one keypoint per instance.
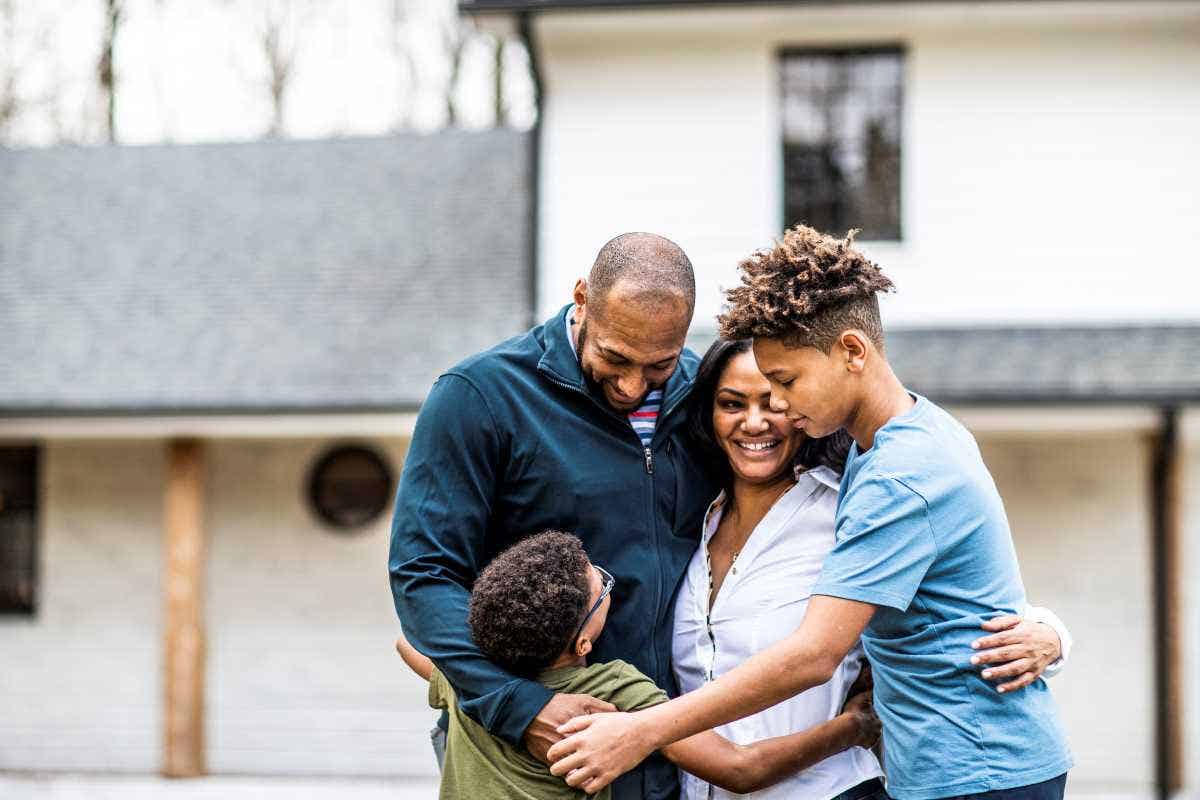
x,y
302,674
303,677
1047,143
1079,512
80,682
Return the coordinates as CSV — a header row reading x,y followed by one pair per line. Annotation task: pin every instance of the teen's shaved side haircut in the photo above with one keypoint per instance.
x,y
805,291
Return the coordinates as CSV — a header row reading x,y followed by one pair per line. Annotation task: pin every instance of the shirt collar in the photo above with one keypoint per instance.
x,y
823,475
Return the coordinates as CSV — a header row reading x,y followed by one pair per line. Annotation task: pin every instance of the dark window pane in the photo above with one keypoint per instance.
x,y
841,114
18,529
350,486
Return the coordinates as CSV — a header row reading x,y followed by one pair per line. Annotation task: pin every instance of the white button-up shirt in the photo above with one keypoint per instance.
x,y
762,600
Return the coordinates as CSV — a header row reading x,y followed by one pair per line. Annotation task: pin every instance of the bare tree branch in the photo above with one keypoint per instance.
x,y
105,71
405,62
498,82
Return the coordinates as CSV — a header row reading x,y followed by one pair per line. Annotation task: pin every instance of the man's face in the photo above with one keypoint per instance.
x,y
629,349
813,388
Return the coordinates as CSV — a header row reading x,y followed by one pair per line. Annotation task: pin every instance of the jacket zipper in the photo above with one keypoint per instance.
x,y
649,464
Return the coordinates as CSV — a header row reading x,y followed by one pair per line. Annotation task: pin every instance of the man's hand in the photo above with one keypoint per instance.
x,y
1022,650
542,733
861,708
600,749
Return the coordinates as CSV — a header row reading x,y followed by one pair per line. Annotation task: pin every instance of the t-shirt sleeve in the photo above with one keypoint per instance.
x,y
632,691
884,545
440,693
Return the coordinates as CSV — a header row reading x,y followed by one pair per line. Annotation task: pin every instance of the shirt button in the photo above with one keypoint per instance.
x,y
735,570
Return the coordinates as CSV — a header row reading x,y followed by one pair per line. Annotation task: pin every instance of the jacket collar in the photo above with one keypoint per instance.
x,y
560,363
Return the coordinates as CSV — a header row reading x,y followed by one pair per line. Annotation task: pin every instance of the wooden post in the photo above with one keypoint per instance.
x,y
183,590
1166,491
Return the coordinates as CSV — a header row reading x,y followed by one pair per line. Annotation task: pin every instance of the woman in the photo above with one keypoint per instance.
x,y
761,549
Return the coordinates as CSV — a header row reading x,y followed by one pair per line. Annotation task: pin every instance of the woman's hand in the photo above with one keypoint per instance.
x,y
861,709
599,749
1020,649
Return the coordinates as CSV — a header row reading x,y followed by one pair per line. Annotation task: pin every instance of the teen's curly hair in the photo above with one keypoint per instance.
x,y
526,604
806,290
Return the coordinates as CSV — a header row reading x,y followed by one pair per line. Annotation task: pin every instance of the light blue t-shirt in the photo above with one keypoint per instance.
x,y
922,534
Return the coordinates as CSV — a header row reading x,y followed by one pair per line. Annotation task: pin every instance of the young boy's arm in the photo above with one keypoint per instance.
x,y
748,768
417,662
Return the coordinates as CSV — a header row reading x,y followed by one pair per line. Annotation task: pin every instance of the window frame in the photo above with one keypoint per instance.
x,y
323,459
30,608
898,48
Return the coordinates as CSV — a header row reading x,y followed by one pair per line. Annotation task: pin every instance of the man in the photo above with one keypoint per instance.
x,y
575,425
923,553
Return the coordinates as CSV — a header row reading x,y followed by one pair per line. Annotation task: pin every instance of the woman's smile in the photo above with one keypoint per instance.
x,y
758,446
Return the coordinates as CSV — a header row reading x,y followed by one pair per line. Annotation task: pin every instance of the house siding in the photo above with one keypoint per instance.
x,y
1040,143
81,680
1079,511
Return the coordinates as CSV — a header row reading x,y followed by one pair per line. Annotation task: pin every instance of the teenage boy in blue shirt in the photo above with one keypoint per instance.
x,y
923,554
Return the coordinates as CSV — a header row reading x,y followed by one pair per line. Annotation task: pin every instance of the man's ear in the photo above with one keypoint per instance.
x,y
579,295
583,646
853,347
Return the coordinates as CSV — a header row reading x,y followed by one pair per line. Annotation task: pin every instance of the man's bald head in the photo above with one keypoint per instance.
x,y
650,271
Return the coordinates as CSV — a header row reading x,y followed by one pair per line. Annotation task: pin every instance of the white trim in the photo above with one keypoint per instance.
x,y
244,426
1051,420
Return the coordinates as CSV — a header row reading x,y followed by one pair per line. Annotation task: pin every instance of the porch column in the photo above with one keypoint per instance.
x,y
183,590
1166,492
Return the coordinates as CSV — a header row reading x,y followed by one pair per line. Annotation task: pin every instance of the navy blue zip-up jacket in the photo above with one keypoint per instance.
x,y
510,442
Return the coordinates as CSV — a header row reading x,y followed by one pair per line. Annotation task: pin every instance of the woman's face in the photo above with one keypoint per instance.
x,y
759,443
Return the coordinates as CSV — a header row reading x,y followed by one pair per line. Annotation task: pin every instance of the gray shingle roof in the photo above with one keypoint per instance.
x,y
259,276
1116,363
1047,364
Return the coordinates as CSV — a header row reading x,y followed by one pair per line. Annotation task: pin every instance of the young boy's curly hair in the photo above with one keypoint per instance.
x,y
806,290
527,603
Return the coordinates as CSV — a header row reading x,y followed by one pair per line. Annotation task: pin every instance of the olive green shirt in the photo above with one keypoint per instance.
x,y
479,765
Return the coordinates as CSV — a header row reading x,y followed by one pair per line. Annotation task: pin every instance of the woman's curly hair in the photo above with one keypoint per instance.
x,y
806,290
526,604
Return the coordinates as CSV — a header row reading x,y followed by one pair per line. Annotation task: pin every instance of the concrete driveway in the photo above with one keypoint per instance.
x,y
27,786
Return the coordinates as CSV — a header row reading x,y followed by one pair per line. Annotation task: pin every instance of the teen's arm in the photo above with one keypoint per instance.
x,y
748,768
417,662
884,548
604,746
438,530
1022,649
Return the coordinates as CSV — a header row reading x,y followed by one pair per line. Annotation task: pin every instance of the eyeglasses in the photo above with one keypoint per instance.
x,y
609,582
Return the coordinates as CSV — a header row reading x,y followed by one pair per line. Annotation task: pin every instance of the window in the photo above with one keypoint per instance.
x,y
18,529
350,486
841,139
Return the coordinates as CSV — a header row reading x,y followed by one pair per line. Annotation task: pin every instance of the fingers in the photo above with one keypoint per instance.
x,y
1019,683
595,706
580,777
567,763
1001,623
1010,670
999,655
561,750
998,640
575,725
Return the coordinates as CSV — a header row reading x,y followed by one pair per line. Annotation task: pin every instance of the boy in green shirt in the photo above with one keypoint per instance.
x,y
535,611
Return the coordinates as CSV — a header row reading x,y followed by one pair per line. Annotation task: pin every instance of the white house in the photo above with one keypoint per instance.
x,y
1028,173
190,585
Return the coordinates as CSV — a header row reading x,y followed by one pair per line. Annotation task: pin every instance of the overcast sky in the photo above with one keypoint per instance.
x,y
192,70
